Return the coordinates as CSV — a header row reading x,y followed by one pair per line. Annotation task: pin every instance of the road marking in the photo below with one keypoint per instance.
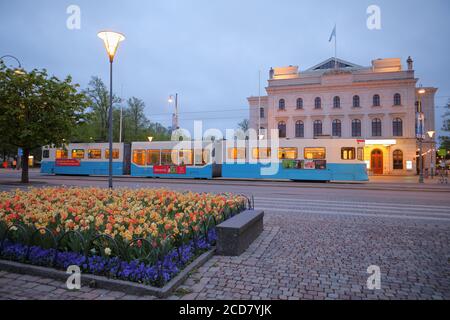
x,y
374,215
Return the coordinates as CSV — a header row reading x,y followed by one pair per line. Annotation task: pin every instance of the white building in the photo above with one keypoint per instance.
x,y
338,99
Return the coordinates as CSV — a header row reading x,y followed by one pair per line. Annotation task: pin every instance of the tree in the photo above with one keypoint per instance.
x,y
99,106
37,110
244,125
445,140
136,116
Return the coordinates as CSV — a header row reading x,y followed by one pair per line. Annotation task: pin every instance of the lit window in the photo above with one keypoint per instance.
x,y
77,153
185,157
94,154
361,154
153,157
261,153
236,153
166,157
398,159
287,153
314,153
139,157
115,153
61,154
348,154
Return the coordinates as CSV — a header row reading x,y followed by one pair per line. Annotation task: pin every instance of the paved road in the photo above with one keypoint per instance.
x,y
317,244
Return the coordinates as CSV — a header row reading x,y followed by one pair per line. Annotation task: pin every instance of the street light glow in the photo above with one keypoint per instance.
x,y
111,40
422,91
431,134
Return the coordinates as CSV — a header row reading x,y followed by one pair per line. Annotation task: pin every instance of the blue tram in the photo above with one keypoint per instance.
x,y
296,159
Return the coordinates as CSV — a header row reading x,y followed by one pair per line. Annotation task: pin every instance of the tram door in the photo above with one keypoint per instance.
x,y
376,161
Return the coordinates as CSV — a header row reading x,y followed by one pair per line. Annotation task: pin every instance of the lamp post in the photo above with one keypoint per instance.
x,y
175,119
432,163
111,40
17,70
420,134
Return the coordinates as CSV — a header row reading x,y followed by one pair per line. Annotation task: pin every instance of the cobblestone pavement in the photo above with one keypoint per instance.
x,y
310,249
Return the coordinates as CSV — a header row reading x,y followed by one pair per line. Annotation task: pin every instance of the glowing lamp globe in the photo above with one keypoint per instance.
x,y
111,40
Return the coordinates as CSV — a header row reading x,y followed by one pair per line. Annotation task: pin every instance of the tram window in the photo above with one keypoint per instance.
x,y
202,157
166,157
61,154
139,157
314,153
46,154
236,153
361,154
261,153
153,157
77,153
287,153
185,157
348,154
94,154
115,153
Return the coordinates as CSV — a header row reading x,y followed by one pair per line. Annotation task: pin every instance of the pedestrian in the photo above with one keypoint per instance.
x,y
14,164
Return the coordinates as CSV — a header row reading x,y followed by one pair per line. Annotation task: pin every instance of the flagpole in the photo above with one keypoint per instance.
x,y
335,48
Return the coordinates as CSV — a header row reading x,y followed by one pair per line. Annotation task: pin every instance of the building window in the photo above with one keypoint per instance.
x,y
398,159
356,128
282,129
261,113
376,100
299,129
94,154
336,102
376,127
336,128
282,104
317,103
299,103
356,102
314,153
348,153
397,127
317,128
46,154
397,99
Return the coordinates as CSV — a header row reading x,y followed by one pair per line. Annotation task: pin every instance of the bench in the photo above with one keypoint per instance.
x,y
236,234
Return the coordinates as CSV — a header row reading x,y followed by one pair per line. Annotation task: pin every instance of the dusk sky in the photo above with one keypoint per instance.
x,y
210,51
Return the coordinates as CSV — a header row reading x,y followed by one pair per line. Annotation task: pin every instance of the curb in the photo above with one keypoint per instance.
x,y
107,283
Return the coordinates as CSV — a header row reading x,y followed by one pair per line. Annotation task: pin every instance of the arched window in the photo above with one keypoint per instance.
x,y
356,128
261,113
299,129
356,102
317,128
299,103
317,103
282,129
376,127
282,104
397,127
398,159
397,99
376,100
336,128
336,102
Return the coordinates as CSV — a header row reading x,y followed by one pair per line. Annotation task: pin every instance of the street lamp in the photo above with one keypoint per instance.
x,y
175,117
17,70
421,92
432,162
111,40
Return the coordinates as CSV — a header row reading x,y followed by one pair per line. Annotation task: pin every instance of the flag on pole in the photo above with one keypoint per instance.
x,y
333,34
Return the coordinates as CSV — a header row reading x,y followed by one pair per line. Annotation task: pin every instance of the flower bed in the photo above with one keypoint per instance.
x,y
145,236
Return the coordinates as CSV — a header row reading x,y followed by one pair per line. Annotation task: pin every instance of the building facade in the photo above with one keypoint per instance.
x,y
338,99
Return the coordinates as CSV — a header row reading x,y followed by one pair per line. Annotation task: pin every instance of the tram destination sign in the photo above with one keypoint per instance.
x,y
169,169
68,162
